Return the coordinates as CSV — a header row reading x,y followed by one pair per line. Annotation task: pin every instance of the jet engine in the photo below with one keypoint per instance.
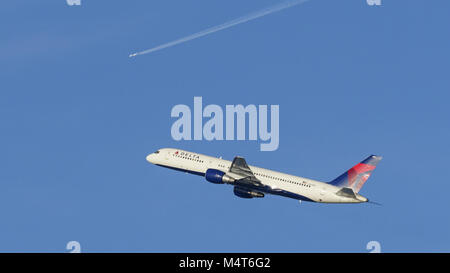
x,y
218,177
244,193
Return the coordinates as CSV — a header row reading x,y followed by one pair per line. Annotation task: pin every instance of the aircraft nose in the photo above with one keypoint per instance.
x,y
151,158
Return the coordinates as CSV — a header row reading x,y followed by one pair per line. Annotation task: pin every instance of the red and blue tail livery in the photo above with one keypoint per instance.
x,y
358,175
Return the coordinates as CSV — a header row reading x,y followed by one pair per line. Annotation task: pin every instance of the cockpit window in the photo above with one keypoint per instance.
x,y
157,152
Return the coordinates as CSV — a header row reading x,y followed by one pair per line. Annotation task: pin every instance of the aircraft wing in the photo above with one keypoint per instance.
x,y
240,167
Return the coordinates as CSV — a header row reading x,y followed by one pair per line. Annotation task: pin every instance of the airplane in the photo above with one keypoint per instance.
x,y
254,182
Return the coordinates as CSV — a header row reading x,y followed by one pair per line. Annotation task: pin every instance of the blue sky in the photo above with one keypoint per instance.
x,y
78,117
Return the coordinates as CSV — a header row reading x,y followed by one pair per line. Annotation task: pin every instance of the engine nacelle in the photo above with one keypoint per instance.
x,y
244,193
218,177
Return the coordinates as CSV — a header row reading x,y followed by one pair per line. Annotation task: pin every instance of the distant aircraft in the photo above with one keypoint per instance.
x,y
250,181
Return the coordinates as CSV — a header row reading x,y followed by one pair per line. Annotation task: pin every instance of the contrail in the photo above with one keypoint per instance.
x,y
223,26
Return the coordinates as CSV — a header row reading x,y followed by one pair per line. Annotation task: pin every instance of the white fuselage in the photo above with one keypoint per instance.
x,y
297,187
